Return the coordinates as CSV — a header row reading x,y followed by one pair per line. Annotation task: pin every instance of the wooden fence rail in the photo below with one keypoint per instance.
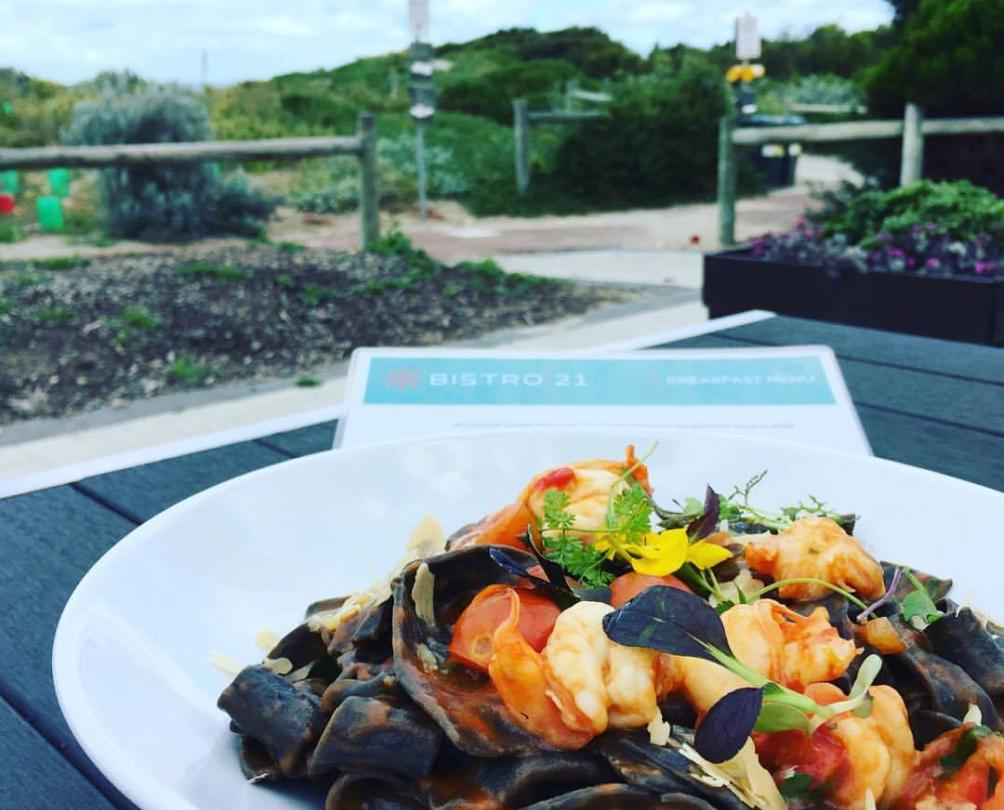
x,y
912,129
362,147
523,119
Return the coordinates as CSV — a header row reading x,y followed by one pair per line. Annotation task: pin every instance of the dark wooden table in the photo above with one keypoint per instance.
x,y
929,403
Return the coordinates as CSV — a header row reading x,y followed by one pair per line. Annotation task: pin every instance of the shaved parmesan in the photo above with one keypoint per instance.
x,y
658,730
422,594
266,639
743,775
973,715
225,663
280,666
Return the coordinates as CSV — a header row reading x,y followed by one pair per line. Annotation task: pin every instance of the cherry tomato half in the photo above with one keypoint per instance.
x,y
472,634
628,586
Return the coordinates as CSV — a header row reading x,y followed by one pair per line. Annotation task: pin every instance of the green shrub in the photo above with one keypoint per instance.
x,y
226,272
335,187
959,210
395,243
187,369
589,50
491,94
60,263
9,232
164,202
53,316
658,146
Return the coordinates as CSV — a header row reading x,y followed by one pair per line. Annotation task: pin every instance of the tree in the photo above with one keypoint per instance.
x,y
948,59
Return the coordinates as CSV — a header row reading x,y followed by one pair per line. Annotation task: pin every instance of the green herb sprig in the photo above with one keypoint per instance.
x,y
579,559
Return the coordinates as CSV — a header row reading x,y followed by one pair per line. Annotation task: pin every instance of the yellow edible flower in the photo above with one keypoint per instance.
x,y
665,552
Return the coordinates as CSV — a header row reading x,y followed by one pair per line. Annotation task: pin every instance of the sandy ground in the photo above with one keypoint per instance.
x,y
451,234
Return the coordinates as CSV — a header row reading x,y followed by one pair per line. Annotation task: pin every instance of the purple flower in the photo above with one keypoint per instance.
x,y
932,226
899,253
933,263
884,237
911,262
915,229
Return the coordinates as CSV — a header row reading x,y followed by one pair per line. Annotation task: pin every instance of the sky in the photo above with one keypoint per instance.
x,y
71,40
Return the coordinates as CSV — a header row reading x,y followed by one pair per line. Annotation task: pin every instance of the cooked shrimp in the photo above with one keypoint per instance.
x,y
589,486
879,747
610,684
815,547
931,787
788,648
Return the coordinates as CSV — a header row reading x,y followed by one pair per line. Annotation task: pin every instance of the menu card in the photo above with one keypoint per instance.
x,y
793,393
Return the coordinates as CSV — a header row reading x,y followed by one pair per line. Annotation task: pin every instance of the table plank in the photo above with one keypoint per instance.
x,y
303,441
961,360
139,493
912,424
911,391
947,449
48,540
34,775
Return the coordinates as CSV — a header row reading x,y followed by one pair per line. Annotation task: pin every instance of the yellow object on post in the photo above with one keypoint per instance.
x,y
745,73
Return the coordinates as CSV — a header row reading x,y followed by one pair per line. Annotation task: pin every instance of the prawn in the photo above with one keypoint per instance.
x,y
815,547
777,642
879,747
589,485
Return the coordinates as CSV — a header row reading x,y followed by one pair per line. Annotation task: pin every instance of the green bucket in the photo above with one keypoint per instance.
x,y
59,182
50,213
9,181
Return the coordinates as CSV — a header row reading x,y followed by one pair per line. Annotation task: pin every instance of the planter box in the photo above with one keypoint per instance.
x,y
967,309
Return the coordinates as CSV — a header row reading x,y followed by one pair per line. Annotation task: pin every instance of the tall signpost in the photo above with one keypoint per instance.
x,y
421,91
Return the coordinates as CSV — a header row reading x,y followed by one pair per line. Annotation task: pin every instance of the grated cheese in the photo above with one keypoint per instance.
x,y
423,593
280,666
743,775
266,639
973,715
658,729
225,663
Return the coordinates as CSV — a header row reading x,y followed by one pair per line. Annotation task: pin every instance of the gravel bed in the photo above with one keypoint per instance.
x,y
80,334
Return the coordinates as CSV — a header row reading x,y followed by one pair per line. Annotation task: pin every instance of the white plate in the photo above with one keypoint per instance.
x,y
130,655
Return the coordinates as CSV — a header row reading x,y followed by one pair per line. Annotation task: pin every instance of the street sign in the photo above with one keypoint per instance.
x,y
747,37
418,20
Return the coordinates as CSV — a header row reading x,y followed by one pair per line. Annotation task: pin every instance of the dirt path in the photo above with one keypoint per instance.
x,y
451,234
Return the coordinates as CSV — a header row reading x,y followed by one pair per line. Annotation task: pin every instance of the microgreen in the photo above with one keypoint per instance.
x,y
582,561
800,786
918,607
964,748
736,508
561,594
680,623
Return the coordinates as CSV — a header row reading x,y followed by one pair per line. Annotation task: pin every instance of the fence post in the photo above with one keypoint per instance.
x,y
521,138
726,182
912,164
369,180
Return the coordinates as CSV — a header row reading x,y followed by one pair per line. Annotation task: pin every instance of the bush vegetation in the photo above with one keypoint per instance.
x,y
945,229
164,201
655,147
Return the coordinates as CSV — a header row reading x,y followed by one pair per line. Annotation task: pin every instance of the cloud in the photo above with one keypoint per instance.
x,y
657,12
281,27
69,40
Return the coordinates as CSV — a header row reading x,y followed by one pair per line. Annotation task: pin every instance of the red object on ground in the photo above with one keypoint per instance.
x,y
6,203
695,239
